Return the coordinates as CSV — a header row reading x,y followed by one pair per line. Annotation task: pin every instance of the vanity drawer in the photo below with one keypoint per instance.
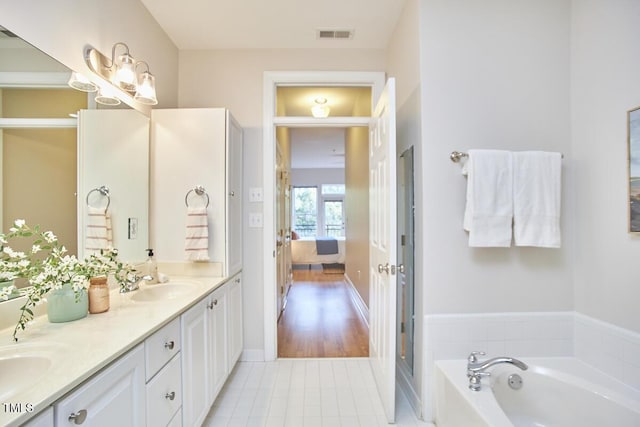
x,y
160,347
164,394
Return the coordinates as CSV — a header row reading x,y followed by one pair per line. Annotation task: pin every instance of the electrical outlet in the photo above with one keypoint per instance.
x,y
255,220
255,194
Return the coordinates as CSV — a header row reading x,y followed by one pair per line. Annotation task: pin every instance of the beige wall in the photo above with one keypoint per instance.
x,y
39,174
357,209
605,67
234,79
39,165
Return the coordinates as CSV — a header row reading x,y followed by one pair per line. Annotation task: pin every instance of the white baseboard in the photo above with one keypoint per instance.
x,y
252,356
357,300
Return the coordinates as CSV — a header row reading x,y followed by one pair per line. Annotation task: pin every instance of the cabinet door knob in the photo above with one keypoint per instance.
x,y
232,193
169,345
78,417
170,396
215,302
210,306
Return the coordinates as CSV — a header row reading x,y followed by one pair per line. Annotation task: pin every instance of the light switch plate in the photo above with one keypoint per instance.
x,y
255,194
255,220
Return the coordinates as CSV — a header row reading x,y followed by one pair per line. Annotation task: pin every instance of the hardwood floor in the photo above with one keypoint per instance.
x,y
320,320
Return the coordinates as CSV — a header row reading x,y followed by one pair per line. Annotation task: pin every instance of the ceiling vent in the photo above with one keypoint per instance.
x,y
335,34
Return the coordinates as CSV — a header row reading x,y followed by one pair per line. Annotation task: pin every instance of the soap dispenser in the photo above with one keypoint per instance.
x,y
151,268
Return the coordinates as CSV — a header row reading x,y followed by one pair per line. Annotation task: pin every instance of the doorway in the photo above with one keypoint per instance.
x,y
317,316
272,81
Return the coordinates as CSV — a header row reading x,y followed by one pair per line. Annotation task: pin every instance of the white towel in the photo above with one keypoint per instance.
x,y
489,211
536,198
196,246
98,233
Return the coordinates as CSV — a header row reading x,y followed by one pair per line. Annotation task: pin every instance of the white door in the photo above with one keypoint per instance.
x,y
382,247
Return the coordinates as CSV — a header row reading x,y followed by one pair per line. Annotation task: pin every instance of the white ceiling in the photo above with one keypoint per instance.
x,y
285,24
275,24
313,148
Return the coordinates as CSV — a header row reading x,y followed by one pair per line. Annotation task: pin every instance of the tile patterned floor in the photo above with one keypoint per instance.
x,y
304,393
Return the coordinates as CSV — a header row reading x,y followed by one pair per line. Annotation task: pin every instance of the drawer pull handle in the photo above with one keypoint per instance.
x,y
170,396
210,306
169,345
78,417
215,302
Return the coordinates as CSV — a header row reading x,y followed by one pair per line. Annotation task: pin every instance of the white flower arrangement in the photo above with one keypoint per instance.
x,y
48,267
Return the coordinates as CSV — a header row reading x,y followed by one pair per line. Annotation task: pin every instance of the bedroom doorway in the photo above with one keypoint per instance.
x,y
327,219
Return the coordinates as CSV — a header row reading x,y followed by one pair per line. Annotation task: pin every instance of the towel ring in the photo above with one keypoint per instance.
x,y
200,191
104,190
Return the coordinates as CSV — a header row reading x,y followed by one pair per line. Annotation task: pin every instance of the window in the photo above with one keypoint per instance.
x,y
305,210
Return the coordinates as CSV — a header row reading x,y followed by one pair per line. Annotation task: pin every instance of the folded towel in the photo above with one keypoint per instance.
x,y
489,210
98,233
536,198
196,246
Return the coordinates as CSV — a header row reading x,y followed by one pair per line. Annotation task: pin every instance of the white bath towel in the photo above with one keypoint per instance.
x,y
489,210
536,198
98,234
196,246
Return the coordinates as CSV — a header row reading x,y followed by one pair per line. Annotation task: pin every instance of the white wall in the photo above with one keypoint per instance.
x,y
494,74
403,63
62,29
605,85
234,80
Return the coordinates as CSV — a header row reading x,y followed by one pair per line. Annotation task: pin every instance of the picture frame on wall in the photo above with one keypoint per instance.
x,y
633,121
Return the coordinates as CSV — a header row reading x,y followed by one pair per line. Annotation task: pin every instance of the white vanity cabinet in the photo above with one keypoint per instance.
x,y
193,147
204,361
114,397
163,374
234,315
43,419
211,345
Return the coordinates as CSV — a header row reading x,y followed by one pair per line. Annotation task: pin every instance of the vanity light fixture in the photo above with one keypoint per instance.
x,y
80,82
321,109
146,88
107,96
122,73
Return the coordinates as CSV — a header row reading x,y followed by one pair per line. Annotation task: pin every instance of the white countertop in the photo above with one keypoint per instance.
x,y
81,348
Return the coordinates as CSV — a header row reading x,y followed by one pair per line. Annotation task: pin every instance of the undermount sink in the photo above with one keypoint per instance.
x,y
22,366
163,291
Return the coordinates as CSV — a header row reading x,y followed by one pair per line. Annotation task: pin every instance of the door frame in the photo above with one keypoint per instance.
x,y
273,79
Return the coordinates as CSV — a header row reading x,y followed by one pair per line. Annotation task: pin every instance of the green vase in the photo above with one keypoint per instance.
x,y
63,306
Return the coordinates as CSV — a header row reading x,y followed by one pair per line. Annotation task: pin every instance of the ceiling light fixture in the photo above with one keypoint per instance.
x,y
122,73
321,109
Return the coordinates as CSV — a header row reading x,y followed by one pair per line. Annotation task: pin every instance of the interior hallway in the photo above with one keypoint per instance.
x,y
305,393
320,320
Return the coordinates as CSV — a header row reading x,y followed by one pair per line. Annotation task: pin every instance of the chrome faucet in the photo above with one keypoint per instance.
x,y
132,283
476,369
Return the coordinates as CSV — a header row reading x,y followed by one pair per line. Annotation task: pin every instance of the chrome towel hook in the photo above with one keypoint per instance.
x,y
200,191
104,190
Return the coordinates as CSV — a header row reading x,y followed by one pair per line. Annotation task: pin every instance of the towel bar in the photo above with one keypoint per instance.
x,y
456,156
200,191
104,190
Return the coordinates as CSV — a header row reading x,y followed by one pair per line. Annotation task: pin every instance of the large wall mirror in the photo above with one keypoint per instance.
x,y
56,147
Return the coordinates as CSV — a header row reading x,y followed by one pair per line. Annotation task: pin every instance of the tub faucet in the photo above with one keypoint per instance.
x,y
476,369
